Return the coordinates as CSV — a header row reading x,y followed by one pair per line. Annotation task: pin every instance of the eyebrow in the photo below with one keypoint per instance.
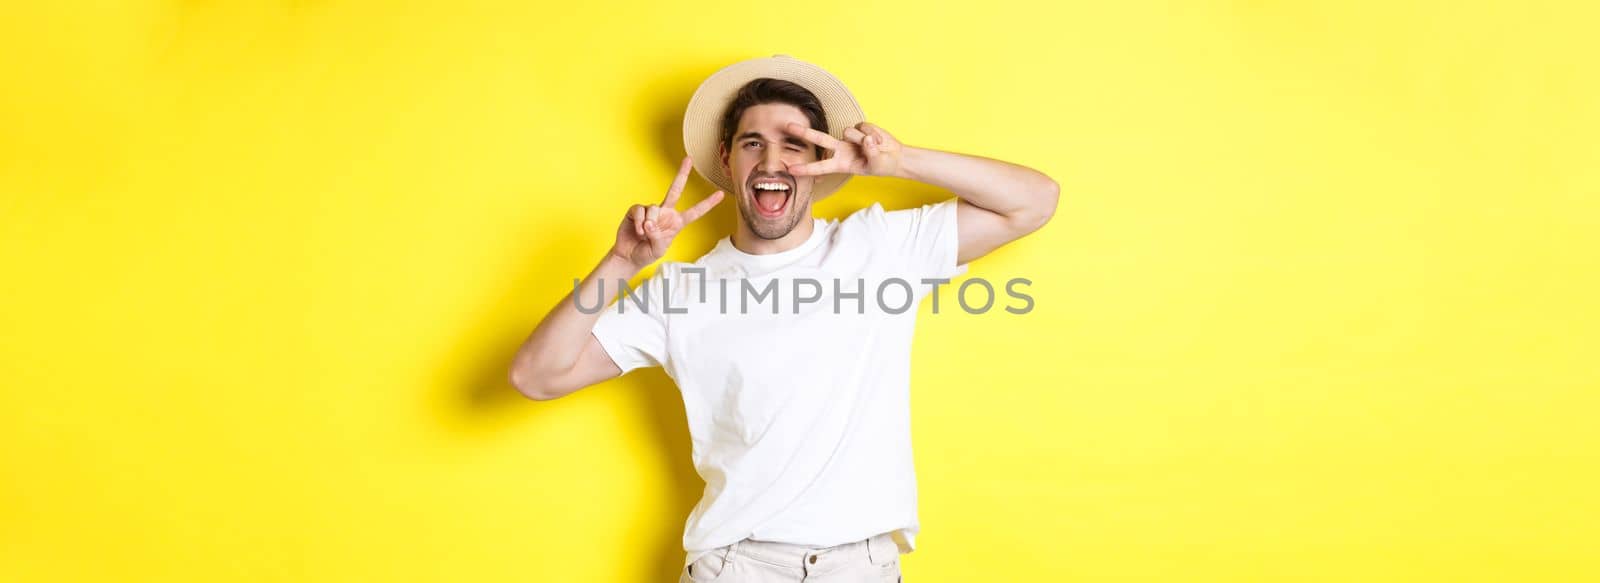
x,y
786,139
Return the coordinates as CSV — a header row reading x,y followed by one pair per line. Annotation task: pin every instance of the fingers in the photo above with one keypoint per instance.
x,y
636,214
701,208
812,136
647,219
874,131
820,167
853,135
677,183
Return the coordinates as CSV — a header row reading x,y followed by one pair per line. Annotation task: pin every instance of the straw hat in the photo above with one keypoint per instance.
x,y
702,120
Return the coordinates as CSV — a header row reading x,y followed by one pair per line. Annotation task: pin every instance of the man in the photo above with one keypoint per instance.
x,y
790,341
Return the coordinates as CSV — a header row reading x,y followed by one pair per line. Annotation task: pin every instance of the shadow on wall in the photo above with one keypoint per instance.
x,y
483,399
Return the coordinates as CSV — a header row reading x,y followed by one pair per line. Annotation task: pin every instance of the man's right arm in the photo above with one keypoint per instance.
x,y
562,354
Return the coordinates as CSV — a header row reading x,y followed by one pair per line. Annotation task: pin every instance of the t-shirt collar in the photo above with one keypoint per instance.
x,y
751,262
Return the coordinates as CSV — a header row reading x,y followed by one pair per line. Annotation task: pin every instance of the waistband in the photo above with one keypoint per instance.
x,y
878,549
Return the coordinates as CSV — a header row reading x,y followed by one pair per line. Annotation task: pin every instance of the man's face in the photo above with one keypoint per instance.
x,y
771,200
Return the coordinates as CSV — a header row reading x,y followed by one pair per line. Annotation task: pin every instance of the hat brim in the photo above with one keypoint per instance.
x,y
703,118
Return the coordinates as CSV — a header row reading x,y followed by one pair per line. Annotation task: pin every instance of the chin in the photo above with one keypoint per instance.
x,y
771,227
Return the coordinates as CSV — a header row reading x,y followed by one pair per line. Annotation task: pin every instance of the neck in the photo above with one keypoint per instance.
x,y
746,240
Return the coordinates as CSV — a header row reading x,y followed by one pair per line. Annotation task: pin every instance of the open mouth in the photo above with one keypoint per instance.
x,y
771,196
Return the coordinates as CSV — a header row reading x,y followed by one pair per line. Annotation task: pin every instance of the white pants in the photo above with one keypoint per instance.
x,y
872,560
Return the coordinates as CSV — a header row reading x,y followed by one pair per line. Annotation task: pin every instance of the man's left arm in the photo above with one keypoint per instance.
x,y
1000,201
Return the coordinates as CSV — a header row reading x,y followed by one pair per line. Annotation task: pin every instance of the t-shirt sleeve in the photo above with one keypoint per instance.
x,y
924,237
635,337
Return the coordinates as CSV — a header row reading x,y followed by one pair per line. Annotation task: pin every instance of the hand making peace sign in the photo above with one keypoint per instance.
x,y
646,231
866,150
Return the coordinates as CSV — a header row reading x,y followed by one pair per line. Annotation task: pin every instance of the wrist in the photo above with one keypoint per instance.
x,y
911,161
615,262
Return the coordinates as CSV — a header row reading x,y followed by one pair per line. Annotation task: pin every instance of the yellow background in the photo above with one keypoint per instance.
x,y
1318,303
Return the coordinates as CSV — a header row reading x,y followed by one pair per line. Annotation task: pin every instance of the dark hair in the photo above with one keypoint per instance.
x,y
767,90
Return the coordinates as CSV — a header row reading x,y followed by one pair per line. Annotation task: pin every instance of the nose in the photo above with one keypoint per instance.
x,y
772,160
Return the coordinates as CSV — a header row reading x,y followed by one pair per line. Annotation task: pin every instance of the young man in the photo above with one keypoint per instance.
x,y
790,341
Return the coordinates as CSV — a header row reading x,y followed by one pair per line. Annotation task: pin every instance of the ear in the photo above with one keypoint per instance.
x,y
722,153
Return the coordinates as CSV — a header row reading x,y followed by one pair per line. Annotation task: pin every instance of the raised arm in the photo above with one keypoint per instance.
x,y
562,354
1000,201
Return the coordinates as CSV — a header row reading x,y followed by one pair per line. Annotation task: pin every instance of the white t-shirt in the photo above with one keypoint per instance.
x,y
800,419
